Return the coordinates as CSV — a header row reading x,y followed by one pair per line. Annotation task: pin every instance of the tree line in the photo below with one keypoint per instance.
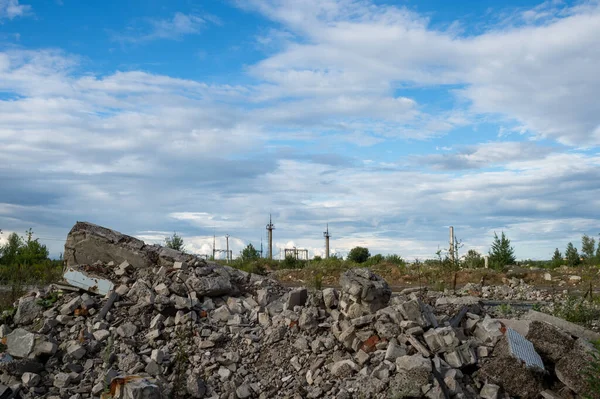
x,y
25,259
500,255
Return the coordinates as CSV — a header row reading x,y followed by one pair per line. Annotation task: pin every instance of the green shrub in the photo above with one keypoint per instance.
x,y
577,310
592,373
395,260
359,254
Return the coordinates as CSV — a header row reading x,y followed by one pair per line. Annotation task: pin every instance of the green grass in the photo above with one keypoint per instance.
x,y
577,310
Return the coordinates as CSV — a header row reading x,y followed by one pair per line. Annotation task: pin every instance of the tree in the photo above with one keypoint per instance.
x,y
9,252
588,246
359,254
501,253
32,252
175,242
572,255
249,253
473,260
557,259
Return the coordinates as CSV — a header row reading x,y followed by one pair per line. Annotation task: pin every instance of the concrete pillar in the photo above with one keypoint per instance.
x,y
452,243
326,234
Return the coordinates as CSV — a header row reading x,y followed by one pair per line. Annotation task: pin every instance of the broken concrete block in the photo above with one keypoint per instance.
x,y
62,380
343,368
362,292
45,348
69,307
27,311
441,339
413,372
512,374
101,335
243,391
550,342
411,310
210,285
563,325
297,297
489,391
127,330
76,351
569,370
462,356
20,343
180,266
394,351
330,298
162,289
4,330
30,379
488,331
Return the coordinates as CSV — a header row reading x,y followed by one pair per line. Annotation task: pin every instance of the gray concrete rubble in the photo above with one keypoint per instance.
x,y
172,325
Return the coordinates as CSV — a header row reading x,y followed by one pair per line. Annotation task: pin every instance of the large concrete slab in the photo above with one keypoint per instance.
x,y
564,325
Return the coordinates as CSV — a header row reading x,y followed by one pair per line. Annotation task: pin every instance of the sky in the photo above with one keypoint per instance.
x,y
387,120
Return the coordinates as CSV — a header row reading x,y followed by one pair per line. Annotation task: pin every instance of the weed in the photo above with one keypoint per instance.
x,y
49,300
505,309
592,373
537,307
577,310
318,281
181,363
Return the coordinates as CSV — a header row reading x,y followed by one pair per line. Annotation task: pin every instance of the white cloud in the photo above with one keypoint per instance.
x,y
173,28
10,9
138,151
540,73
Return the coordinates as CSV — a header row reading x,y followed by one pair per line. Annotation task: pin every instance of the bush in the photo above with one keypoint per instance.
x,y
374,260
577,310
395,260
359,254
290,262
473,260
592,372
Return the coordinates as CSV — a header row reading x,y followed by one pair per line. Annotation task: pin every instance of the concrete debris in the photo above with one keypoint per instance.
x,y
566,326
156,323
363,292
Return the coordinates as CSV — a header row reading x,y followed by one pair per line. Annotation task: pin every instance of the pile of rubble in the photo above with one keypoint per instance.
x,y
155,323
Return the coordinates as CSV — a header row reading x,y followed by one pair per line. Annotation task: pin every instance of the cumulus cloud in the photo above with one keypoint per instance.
x,y
539,74
148,154
485,155
10,9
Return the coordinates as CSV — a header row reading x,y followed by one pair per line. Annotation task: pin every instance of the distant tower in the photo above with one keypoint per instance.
x,y
326,234
270,229
227,253
452,243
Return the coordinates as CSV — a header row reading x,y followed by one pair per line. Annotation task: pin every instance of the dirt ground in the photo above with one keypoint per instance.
x,y
399,277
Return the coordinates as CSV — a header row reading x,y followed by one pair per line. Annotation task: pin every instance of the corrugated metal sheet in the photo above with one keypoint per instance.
x,y
523,349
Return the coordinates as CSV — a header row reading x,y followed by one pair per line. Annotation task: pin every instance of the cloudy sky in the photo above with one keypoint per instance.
x,y
389,120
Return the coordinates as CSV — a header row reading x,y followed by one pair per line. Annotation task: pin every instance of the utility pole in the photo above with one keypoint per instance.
x,y
270,228
214,247
326,234
452,244
261,248
227,253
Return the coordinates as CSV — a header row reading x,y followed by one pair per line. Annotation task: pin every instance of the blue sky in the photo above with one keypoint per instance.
x,y
389,120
